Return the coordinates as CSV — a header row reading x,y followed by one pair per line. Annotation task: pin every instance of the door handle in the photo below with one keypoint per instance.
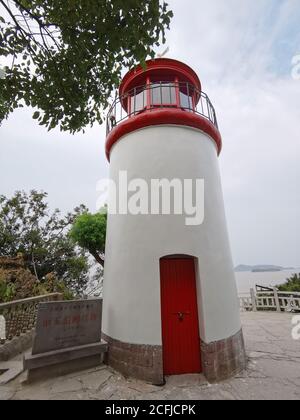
x,y
181,315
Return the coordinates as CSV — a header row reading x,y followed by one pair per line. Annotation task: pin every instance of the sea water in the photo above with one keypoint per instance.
x,y
246,280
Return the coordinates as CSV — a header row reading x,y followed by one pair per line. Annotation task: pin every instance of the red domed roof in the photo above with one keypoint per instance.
x,y
163,69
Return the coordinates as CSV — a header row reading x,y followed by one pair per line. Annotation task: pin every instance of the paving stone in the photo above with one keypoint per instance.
x,y
107,392
265,389
6,393
186,380
95,380
68,385
11,371
153,396
32,393
226,395
70,396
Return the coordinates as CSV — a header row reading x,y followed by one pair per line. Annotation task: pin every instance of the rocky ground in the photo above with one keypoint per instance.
x,y
273,372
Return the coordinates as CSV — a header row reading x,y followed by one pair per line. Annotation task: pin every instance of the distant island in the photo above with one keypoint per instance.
x,y
261,268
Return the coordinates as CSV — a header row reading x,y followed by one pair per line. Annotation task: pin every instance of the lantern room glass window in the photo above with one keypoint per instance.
x,y
185,100
186,95
156,94
138,101
163,94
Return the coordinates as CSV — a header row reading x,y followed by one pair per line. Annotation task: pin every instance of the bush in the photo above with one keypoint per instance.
x,y
292,284
50,284
18,283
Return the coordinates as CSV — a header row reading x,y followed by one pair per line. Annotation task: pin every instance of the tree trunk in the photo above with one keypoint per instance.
x,y
98,258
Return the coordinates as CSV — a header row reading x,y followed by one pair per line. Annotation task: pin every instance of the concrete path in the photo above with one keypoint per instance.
x,y
273,372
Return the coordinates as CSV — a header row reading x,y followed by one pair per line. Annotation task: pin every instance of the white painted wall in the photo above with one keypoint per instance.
x,y
131,307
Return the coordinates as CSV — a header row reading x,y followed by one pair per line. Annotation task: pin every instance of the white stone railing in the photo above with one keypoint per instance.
x,y
270,301
19,316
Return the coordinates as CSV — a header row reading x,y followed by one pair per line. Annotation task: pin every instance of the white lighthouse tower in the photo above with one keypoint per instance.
x,y
170,300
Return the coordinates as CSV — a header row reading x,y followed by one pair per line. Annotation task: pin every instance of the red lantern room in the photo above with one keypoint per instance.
x,y
171,91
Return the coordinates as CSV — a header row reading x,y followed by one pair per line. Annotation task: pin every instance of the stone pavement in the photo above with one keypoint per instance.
x,y
273,372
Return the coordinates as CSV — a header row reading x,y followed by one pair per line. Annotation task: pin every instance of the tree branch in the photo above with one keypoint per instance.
x,y
26,35
14,19
32,15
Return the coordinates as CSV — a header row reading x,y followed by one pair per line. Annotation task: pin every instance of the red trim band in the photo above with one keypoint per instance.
x,y
163,117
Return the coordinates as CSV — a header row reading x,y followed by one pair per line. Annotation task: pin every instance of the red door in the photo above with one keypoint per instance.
x,y
179,311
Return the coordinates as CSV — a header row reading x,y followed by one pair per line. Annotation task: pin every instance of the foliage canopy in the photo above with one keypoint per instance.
x,y
89,232
28,227
67,56
292,284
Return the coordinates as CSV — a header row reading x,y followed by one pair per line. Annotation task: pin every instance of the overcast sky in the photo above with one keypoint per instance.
x,y
242,51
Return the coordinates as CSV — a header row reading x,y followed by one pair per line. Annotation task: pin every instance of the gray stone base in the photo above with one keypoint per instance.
x,y
135,360
223,359
220,360
62,362
61,369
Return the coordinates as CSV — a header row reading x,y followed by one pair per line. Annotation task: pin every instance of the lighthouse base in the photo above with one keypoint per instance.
x,y
223,359
220,360
138,361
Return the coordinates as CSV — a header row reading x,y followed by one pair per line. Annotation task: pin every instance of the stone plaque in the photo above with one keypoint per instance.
x,y
61,325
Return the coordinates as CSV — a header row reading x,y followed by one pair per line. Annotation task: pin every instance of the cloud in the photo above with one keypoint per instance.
x,y
66,166
242,51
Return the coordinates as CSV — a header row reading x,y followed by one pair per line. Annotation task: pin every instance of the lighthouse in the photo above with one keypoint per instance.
x,y
170,302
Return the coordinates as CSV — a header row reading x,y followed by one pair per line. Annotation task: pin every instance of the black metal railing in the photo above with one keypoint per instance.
x,y
160,95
